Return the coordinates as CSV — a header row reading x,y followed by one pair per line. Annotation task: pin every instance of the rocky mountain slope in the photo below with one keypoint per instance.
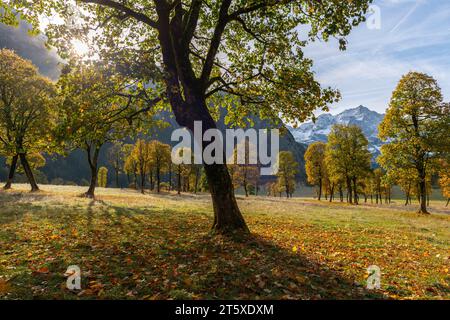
x,y
361,116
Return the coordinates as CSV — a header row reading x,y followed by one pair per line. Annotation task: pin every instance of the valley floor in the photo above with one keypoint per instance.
x,y
133,246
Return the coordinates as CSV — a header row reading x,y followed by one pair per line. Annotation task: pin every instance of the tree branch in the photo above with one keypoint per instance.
x,y
248,30
190,21
126,10
215,42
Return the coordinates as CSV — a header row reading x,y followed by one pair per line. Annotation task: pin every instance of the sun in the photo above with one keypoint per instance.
x,y
80,47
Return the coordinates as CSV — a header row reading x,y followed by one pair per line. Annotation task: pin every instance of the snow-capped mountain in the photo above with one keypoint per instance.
x,y
361,116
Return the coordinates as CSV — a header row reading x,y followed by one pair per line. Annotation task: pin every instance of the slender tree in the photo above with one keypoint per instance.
x,y
315,165
287,170
116,158
102,177
244,174
131,168
141,155
160,154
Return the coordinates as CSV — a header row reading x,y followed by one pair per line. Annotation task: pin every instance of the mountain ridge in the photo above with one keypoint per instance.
x,y
361,116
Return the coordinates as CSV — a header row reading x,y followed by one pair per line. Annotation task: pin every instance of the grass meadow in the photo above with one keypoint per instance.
x,y
133,246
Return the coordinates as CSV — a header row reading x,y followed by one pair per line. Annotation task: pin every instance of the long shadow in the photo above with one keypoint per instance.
x,y
181,257
257,268
222,268
13,205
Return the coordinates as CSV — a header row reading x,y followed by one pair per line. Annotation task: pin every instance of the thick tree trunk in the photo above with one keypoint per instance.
x,y
355,191
349,191
152,183
320,189
189,105
158,180
448,200
28,172
332,193
423,194
407,197
143,183
227,217
91,191
12,171
93,165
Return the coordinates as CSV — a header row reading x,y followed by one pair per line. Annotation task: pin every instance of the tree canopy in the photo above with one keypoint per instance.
x,y
415,128
347,157
27,111
315,165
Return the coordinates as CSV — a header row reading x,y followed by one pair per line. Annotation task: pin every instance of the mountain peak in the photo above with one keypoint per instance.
x,y
361,116
362,108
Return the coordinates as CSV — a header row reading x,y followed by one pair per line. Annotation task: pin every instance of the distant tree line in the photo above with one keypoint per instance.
x,y
91,104
416,135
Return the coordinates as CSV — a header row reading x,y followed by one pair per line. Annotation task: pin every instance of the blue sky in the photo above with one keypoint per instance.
x,y
414,35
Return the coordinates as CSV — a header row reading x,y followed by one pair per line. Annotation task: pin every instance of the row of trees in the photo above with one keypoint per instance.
x,y
92,105
415,131
89,106
341,164
149,163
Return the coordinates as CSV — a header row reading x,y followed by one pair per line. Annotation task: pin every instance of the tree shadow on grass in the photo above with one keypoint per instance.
x,y
255,268
181,259
163,254
13,205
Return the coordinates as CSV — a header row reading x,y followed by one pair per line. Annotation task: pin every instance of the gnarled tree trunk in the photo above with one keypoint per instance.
x,y
158,179
28,172
227,216
349,191
93,165
355,191
320,189
423,193
12,170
